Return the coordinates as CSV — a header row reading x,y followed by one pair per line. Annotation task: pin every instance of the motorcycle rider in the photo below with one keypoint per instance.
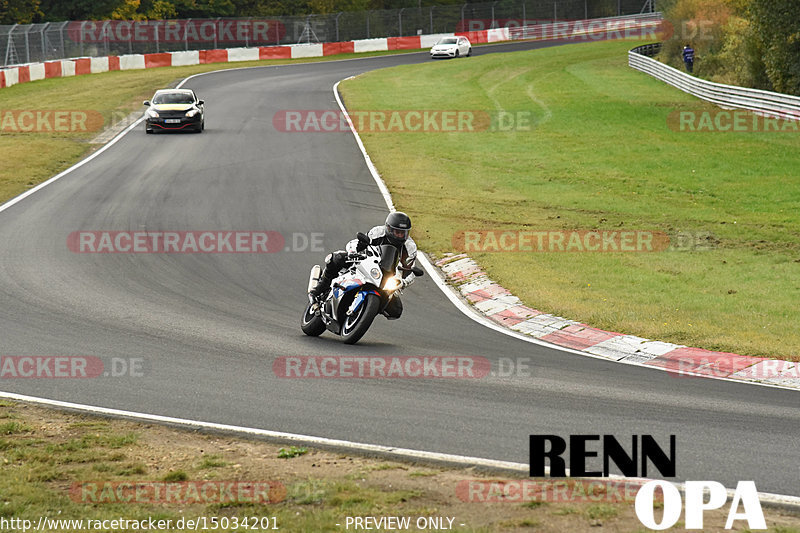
x,y
395,232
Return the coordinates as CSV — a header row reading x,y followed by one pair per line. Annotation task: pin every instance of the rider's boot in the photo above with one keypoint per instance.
x,y
323,285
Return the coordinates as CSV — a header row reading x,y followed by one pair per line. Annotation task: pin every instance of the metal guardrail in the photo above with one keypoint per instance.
x,y
766,103
30,43
649,50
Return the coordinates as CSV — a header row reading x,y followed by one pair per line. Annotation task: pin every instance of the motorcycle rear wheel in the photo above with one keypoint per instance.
x,y
357,324
311,324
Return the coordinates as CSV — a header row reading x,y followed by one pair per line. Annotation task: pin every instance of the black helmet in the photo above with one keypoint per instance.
x,y
397,227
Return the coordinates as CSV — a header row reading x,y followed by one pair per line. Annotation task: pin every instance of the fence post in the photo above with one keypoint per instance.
x,y
27,48
61,36
216,26
494,23
9,44
368,12
431,12
555,11
44,46
462,17
400,22
106,36
585,9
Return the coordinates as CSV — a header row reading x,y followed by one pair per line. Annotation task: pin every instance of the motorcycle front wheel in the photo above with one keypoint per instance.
x,y
311,324
357,324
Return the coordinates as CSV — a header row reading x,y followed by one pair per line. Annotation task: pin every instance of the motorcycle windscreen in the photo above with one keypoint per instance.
x,y
389,258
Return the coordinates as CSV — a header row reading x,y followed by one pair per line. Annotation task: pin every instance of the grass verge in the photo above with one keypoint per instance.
x,y
602,156
46,454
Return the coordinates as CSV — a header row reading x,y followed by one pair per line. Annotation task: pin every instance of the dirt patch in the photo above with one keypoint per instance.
x,y
42,460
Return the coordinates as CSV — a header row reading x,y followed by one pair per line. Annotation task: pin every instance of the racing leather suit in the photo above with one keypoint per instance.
x,y
336,261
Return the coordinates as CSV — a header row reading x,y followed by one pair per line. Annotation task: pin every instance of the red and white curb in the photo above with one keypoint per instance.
x,y
499,305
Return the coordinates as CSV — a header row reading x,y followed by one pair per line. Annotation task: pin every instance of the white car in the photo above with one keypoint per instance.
x,y
452,47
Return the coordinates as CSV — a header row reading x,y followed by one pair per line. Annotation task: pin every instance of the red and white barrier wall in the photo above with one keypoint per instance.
x,y
620,27
92,65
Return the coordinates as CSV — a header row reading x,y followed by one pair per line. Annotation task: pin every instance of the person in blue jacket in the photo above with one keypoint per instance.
x,y
688,58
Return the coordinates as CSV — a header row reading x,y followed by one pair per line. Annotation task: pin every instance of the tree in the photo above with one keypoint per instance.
x,y
334,6
19,11
128,10
78,9
775,24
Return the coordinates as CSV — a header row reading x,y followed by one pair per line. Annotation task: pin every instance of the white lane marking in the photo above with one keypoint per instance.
x,y
79,164
403,453
113,141
469,311
76,166
278,435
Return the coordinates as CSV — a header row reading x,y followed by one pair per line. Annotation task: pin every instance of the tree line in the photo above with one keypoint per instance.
x,y
27,11
751,43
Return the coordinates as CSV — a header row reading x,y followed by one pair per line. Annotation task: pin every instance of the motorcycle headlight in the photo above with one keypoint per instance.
x,y
152,113
375,273
192,112
391,284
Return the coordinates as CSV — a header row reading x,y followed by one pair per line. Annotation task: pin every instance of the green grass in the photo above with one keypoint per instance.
x,y
291,452
176,475
40,476
37,469
213,461
601,511
10,428
601,156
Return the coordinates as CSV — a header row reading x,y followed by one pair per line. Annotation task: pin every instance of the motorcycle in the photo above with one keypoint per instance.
x,y
366,288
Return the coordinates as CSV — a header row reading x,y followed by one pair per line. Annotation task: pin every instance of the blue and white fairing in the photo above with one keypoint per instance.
x,y
373,273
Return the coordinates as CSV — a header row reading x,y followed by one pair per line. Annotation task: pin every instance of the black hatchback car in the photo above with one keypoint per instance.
x,y
174,110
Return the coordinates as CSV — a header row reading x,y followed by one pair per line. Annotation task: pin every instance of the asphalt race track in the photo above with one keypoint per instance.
x,y
209,326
